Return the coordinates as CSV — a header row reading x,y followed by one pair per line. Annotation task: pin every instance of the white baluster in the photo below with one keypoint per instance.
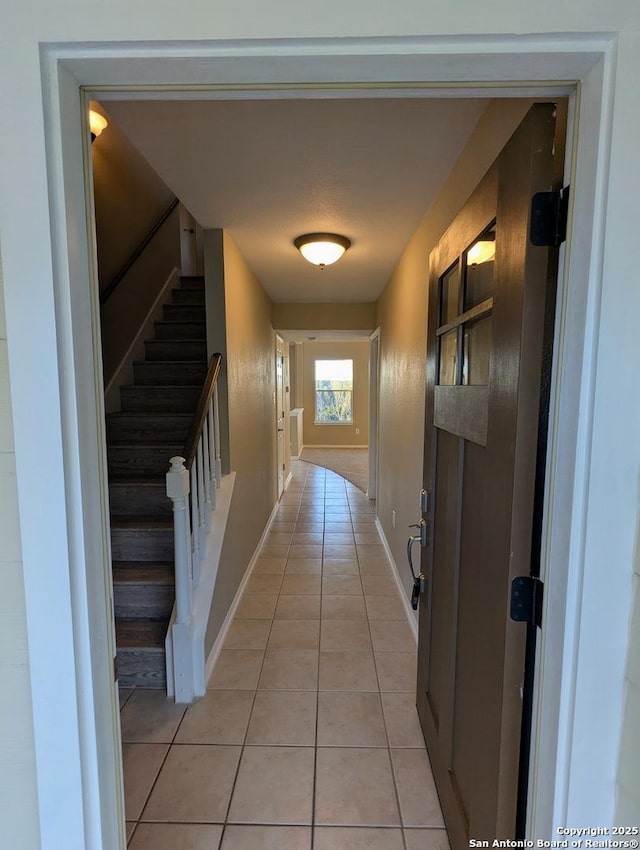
x,y
212,454
195,531
216,410
178,491
206,474
201,498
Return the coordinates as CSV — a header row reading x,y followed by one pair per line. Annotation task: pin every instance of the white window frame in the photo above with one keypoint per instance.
x,y
317,421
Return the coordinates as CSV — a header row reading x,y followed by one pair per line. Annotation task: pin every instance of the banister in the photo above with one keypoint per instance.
x,y
113,284
191,483
208,388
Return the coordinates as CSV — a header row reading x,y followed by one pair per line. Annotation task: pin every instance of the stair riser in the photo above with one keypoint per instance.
x,y
180,330
184,350
196,282
187,296
142,667
149,428
158,399
137,461
142,544
183,313
127,500
170,374
143,600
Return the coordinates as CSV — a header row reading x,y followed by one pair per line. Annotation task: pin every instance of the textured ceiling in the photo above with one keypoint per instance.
x,y
269,170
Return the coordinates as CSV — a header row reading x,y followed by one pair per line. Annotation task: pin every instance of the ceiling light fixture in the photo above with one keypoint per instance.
x,y
322,249
97,123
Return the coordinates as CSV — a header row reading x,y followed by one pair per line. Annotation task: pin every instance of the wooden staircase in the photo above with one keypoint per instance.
x,y
153,425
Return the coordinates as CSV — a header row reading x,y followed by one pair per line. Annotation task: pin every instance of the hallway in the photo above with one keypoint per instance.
x,y
308,736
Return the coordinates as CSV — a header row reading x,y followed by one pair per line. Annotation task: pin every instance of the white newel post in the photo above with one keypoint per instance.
x,y
178,492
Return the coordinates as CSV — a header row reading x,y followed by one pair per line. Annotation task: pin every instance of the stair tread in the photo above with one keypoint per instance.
x,y
145,524
178,321
135,444
168,362
177,340
164,387
133,565
156,414
147,481
115,518
132,633
144,575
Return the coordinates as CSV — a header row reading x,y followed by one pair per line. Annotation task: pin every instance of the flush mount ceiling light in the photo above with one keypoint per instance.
x,y
97,123
322,249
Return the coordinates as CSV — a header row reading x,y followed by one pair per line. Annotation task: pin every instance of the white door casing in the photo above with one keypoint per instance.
x,y
61,471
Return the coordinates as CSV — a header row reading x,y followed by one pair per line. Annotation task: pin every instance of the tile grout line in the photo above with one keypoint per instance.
x,y
315,749
355,506
255,694
384,722
157,776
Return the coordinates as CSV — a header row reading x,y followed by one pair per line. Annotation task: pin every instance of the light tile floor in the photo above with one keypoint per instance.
x,y
308,736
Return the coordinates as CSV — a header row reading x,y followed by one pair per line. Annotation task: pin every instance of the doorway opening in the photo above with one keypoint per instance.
x,y
105,737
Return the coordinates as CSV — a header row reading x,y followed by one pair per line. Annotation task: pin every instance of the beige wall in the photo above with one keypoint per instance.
x,y
250,345
129,199
124,313
336,434
402,317
18,793
339,317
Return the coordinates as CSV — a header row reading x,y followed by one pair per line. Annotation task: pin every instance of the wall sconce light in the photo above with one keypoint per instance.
x,y
322,249
97,123
482,252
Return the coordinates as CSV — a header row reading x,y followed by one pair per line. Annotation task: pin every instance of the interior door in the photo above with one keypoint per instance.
x,y
491,302
280,413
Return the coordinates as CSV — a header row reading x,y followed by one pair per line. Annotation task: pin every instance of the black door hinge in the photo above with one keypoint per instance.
x,y
548,222
526,600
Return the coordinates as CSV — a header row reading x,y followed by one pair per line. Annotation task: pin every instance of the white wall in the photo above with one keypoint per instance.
x,y
611,453
628,779
18,796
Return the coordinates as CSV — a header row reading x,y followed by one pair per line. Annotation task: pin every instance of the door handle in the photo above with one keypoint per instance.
x,y
423,535
418,580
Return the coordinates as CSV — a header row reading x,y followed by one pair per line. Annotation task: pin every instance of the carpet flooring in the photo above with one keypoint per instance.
x,y
352,464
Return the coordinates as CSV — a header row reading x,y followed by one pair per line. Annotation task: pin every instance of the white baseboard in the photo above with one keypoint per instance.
x,y
224,628
412,615
288,481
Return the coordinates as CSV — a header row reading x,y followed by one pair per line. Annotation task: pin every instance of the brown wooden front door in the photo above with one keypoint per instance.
x,y
490,301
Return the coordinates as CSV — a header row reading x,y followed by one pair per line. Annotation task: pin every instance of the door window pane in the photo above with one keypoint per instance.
x,y
480,265
448,375
334,391
476,352
450,295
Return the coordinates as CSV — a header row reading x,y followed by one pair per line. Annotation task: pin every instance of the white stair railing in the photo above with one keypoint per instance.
x,y
192,481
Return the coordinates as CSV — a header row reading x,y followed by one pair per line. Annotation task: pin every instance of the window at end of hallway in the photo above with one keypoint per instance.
x,y
334,391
